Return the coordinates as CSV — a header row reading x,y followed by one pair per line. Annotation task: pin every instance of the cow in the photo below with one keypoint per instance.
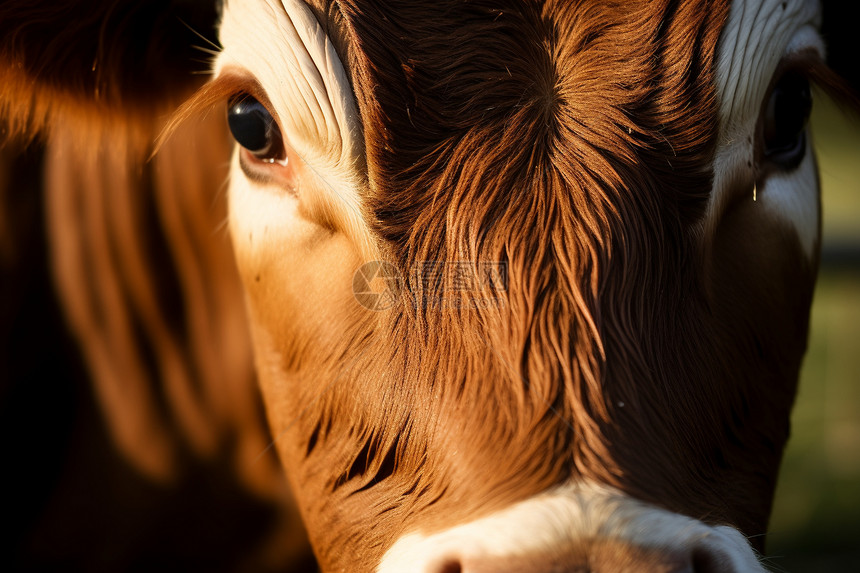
x,y
526,284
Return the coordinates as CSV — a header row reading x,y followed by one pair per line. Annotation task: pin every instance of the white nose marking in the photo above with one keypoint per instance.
x,y
566,529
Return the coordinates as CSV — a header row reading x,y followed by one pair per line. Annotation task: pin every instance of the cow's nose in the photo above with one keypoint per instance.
x,y
596,557
585,529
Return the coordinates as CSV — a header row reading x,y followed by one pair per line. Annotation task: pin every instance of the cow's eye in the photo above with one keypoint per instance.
x,y
785,119
255,129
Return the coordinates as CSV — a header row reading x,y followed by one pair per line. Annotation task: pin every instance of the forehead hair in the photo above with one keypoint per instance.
x,y
569,140
529,90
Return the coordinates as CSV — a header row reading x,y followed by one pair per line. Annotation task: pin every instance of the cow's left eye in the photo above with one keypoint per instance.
x,y
255,129
785,119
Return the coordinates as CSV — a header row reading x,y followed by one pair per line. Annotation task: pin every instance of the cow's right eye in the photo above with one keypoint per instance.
x,y
785,119
255,129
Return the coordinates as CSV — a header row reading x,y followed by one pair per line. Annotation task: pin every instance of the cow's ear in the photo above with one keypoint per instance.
x,y
130,56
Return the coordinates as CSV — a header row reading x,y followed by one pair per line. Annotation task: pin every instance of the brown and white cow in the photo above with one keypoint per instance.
x,y
642,174
598,228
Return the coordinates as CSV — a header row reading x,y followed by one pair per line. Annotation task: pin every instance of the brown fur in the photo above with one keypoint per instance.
x,y
570,140
561,139
143,271
533,112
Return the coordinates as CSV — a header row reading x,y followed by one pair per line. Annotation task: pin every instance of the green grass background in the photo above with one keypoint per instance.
x,y
815,525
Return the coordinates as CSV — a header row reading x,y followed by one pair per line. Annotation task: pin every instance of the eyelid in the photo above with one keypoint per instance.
x,y
242,83
263,173
810,63
806,62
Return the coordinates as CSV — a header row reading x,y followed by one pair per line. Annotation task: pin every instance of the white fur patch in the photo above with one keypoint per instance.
x,y
569,515
283,46
757,36
287,51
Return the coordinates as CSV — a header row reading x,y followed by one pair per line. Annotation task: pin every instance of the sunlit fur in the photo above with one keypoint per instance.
x,y
561,140
647,340
143,270
635,346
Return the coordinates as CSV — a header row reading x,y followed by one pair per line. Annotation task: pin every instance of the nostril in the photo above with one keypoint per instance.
x,y
709,552
601,557
450,566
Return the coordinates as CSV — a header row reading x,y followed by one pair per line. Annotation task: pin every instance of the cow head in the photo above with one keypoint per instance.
x,y
596,225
